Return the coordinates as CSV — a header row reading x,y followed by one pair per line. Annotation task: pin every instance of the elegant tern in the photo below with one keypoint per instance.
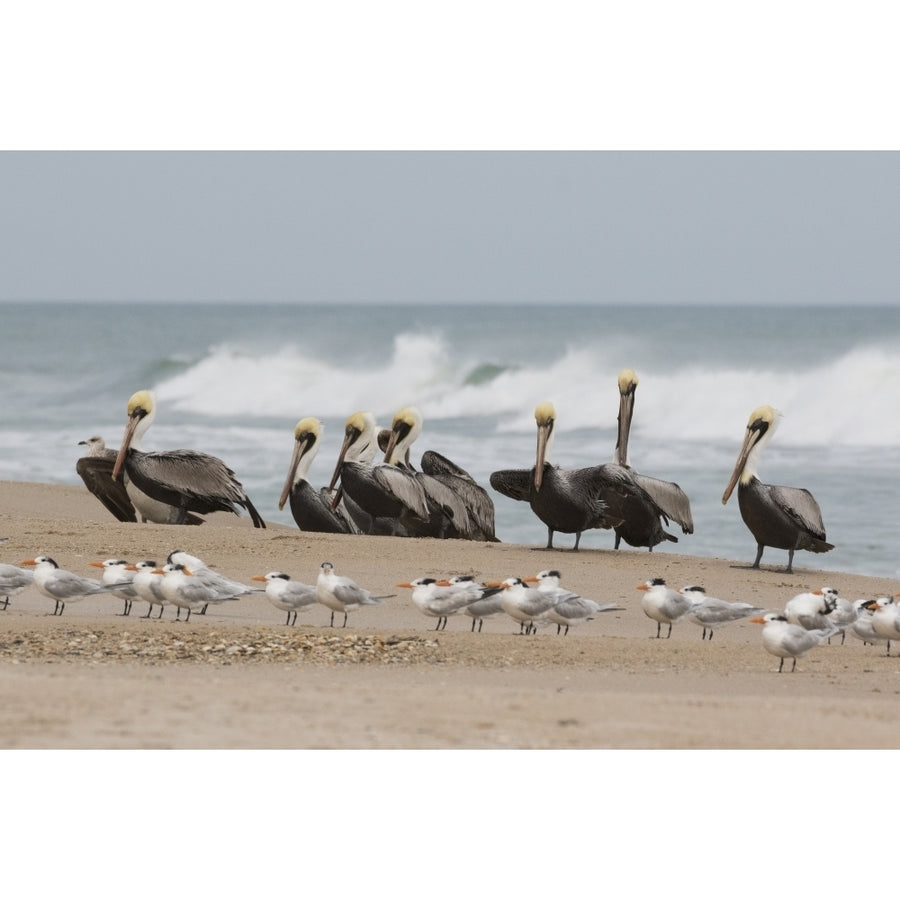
x,y
118,576
147,585
568,608
287,595
663,604
711,612
13,580
60,585
342,594
787,641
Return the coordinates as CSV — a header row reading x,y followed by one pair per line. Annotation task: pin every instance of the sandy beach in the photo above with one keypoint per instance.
x,y
238,677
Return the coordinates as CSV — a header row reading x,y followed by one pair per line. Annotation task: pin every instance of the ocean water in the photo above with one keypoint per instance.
x,y
233,380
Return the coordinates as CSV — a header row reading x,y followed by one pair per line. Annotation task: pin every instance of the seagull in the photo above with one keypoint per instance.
x,y
13,580
436,598
117,574
95,468
811,609
61,586
342,594
663,604
568,607
190,480
709,612
785,640
787,518
287,595
147,584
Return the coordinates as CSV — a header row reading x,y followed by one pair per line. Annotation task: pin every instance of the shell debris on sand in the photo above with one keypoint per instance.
x,y
98,645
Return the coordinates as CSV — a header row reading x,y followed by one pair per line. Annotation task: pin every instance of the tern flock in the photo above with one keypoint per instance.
x,y
187,584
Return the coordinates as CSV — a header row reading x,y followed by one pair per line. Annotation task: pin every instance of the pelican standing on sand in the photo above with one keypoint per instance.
x,y
566,500
187,479
787,518
311,511
95,469
641,511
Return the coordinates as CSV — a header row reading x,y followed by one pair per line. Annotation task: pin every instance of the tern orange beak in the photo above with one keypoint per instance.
x,y
643,587
759,620
28,562
258,578
404,584
98,565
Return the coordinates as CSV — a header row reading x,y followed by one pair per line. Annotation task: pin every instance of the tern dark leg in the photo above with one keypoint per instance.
x,y
161,611
203,611
781,664
295,618
473,623
345,621
794,666
670,630
6,602
149,611
658,628
187,618
567,630
480,623
331,624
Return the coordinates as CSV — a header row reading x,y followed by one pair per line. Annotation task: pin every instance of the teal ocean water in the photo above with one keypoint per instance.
x,y
233,380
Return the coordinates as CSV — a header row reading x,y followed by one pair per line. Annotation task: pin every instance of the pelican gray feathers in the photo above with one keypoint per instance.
x,y
566,500
787,518
187,479
641,510
311,509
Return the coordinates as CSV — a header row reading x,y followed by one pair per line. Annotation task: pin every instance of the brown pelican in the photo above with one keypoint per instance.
x,y
366,489
459,507
187,479
123,500
787,518
641,511
311,511
566,500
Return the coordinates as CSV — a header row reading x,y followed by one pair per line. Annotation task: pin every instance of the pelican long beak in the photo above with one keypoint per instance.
x,y
626,411
750,440
349,437
297,454
391,444
126,441
543,436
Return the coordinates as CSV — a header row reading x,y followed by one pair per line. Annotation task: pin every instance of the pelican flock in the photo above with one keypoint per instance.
x,y
440,499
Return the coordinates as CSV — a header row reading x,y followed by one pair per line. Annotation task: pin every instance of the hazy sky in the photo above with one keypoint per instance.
x,y
605,227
